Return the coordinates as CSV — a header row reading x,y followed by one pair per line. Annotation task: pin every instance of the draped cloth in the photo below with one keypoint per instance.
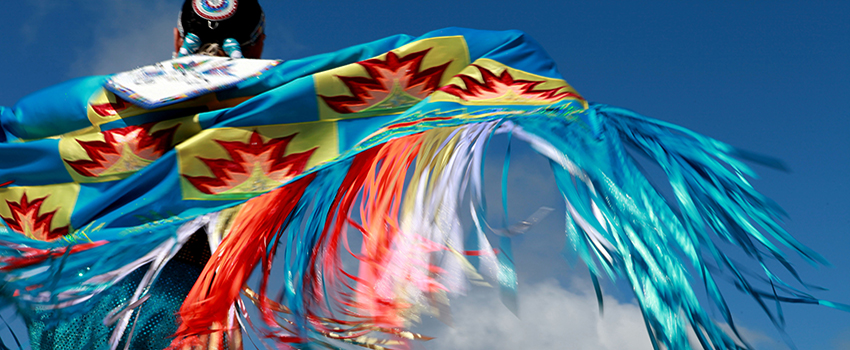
x,y
381,144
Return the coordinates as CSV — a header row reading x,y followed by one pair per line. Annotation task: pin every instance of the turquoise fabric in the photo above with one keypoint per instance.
x,y
617,222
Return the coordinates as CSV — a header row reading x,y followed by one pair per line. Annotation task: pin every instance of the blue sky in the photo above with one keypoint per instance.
x,y
769,77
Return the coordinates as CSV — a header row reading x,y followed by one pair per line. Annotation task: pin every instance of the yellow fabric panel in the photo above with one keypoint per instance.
x,y
504,85
239,163
118,153
39,210
396,79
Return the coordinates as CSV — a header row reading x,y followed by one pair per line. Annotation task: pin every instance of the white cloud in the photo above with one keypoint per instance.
x,y
842,340
40,9
128,35
551,318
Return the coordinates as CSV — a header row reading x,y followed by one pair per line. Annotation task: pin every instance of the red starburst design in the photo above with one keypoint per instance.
x,y
109,109
385,76
27,219
494,86
245,158
137,139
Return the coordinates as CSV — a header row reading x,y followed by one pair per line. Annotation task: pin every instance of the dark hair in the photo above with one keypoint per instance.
x,y
240,26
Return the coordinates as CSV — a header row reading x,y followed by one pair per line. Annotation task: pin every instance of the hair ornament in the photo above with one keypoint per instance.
x,y
191,44
215,10
232,48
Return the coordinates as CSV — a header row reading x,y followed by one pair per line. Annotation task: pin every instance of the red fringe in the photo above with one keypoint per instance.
x,y
206,307
376,174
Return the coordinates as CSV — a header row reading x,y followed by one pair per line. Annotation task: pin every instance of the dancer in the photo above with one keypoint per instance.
x,y
383,144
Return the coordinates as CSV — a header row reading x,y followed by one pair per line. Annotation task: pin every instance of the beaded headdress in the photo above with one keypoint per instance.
x,y
216,12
